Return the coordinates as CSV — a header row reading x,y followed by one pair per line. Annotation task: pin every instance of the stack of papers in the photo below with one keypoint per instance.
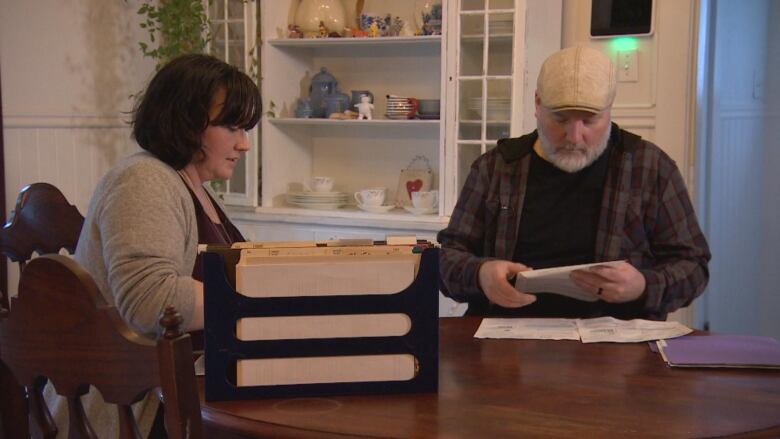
x,y
602,329
741,351
557,280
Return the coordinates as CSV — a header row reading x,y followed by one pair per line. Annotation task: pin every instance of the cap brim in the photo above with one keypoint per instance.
x,y
577,107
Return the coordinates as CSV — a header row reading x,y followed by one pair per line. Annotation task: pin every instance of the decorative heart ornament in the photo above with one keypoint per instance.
x,y
413,186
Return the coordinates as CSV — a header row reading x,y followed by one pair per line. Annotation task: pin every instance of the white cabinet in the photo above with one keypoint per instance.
x,y
477,67
357,154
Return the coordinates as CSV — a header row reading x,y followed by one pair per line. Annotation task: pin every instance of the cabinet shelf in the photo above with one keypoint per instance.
x,y
489,122
481,37
351,216
354,122
423,40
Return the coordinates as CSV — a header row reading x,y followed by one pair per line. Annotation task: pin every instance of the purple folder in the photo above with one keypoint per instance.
x,y
722,351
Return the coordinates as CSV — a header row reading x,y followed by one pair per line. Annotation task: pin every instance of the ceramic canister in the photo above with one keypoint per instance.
x,y
311,12
322,84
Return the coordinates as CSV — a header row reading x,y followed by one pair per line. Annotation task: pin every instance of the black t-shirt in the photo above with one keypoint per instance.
x,y
557,227
560,214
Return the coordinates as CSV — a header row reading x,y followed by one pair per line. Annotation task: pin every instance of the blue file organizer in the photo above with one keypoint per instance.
x,y
224,306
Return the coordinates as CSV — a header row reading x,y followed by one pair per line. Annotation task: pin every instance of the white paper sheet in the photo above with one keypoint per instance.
x,y
628,331
556,280
547,329
602,329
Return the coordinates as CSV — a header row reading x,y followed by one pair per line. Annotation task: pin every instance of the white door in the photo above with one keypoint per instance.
x,y
739,163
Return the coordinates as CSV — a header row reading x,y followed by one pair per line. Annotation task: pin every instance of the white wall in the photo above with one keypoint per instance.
x,y
656,106
68,70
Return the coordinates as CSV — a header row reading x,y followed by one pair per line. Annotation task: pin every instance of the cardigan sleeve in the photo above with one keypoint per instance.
x,y
145,234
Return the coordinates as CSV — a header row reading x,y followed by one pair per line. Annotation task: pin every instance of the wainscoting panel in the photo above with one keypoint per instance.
x,y
72,157
734,212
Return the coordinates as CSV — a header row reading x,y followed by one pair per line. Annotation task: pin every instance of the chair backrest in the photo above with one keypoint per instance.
x,y
83,341
43,221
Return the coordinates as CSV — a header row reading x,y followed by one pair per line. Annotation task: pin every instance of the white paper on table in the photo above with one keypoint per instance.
x,y
545,329
608,329
556,280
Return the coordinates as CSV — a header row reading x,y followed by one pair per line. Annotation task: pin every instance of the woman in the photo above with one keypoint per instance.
x,y
148,213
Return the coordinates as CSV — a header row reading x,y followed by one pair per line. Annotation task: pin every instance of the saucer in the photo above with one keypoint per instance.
x,y
420,210
376,209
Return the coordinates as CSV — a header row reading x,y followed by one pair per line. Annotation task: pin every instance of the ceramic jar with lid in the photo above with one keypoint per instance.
x,y
311,12
322,84
428,16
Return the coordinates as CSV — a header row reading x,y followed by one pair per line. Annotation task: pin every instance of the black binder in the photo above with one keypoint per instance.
x,y
224,306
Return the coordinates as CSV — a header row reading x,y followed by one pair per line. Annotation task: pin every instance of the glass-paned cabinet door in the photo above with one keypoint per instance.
x,y
234,39
483,78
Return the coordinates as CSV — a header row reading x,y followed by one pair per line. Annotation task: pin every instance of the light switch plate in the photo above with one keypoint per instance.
x,y
628,70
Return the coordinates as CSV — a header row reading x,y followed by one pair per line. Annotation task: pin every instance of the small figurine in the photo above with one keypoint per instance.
x,y
323,30
364,107
373,31
294,31
359,33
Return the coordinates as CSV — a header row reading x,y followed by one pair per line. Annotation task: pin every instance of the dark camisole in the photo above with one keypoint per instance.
x,y
210,232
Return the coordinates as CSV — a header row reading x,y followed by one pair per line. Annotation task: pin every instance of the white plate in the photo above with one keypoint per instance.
x,y
324,206
376,209
312,194
420,210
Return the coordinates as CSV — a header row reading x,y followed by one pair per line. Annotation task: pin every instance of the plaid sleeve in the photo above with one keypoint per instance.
x,y
680,272
463,241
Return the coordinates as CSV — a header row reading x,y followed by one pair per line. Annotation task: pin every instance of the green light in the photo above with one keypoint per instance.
x,y
624,43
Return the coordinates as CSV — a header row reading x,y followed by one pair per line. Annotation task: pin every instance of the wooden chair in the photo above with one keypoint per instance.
x,y
43,221
61,327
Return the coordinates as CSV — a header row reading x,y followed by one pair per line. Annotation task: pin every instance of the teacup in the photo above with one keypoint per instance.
x,y
371,197
321,184
425,199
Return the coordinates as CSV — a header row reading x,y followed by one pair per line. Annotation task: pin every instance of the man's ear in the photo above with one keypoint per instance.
x,y
537,104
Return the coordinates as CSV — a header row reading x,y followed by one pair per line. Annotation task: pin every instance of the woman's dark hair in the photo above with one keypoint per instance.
x,y
171,115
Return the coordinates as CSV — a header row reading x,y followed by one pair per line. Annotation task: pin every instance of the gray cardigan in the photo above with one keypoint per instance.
x,y
139,241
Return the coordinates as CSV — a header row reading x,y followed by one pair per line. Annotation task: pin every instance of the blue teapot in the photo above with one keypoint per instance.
x,y
323,84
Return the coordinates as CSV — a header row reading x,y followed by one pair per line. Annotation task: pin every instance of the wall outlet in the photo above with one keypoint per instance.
x,y
628,70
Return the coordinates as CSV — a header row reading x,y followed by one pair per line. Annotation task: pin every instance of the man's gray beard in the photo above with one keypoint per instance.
x,y
569,157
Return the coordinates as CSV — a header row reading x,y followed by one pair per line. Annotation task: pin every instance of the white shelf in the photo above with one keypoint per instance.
x,y
350,41
481,37
355,122
347,216
490,122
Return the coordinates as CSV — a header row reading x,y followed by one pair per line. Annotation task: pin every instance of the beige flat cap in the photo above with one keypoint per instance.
x,y
577,78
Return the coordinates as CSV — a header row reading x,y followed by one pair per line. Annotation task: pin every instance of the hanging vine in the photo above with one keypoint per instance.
x,y
176,27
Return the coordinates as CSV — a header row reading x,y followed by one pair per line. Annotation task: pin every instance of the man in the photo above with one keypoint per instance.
x,y
578,189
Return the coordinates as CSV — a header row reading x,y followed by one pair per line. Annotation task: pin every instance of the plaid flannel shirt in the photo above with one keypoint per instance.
x,y
646,218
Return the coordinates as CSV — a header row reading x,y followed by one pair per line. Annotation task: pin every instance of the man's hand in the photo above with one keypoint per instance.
x,y
616,284
493,278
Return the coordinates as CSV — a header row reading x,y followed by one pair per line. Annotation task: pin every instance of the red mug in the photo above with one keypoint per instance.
x,y
413,112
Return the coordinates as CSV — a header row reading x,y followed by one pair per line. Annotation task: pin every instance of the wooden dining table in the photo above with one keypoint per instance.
x,y
500,388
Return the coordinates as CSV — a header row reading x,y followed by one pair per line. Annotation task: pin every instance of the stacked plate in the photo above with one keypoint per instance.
x,y
497,108
318,200
400,107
